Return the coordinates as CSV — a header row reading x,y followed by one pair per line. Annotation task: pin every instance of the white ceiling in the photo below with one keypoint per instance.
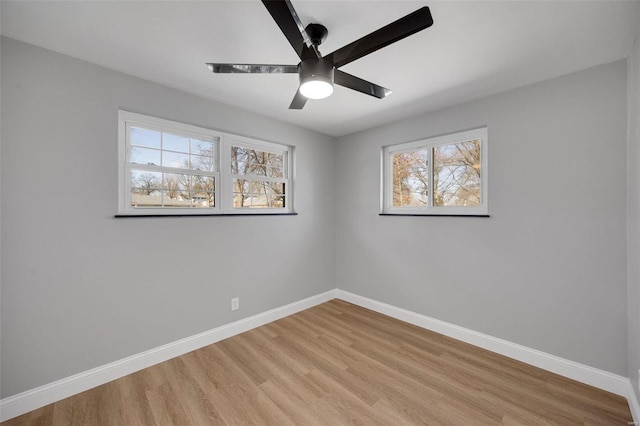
x,y
474,49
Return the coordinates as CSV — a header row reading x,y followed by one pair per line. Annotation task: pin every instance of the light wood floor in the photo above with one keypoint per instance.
x,y
337,364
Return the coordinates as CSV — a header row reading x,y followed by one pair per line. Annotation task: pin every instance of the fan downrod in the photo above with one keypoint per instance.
x,y
317,33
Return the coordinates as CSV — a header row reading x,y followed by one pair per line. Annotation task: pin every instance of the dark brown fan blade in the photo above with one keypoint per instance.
x,y
285,16
303,32
355,83
397,30
253,68
298,101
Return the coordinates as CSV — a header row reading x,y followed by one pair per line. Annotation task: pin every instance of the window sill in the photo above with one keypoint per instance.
x,y
430,215
122,216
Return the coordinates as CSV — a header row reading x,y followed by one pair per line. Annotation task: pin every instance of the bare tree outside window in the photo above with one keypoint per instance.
x,y
456,174
411,178
146,188
146,183
262,192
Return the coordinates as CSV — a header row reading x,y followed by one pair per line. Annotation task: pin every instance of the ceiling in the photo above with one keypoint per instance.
x,y
474,49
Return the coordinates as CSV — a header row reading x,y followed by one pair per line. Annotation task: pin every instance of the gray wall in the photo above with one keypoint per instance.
x,y
548,269
633,213
81,289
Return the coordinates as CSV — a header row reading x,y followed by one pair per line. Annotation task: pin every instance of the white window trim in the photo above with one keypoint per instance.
x,y
386,202
223,180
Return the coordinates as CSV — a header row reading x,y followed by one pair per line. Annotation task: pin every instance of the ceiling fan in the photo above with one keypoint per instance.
x,y
318,73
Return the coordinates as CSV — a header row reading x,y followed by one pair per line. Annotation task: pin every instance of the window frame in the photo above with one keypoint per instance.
x,y
386,201
227,189
223,196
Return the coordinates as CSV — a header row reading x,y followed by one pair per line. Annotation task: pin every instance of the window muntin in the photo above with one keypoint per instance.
x,y
440,175
172,168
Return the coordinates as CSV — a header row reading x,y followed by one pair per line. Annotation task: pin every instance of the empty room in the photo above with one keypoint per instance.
x,y
304,212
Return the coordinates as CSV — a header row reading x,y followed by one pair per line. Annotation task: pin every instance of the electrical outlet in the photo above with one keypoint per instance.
x,y
235,303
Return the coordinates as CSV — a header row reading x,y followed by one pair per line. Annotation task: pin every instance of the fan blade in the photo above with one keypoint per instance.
x,y
397,30
285,16
303,33
298,101
355,83
253,68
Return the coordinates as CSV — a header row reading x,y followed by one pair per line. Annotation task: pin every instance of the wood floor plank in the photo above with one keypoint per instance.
x,y
133,402
350,409
298,408
337,364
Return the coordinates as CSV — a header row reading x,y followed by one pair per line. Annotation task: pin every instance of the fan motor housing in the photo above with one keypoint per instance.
x,y
314,69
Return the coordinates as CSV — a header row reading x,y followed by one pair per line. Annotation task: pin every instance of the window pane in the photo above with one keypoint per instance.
x,y
184,190
203,183
238,160
198,162
276,160
257,163
201,198
256,194
456,174
275,172
146,188
174,159
144,156
201,147
203,191
410,178
145,137
175,143
175,187
145,181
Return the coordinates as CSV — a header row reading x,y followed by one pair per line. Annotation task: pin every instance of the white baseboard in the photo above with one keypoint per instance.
x,y
39,397
610,382
634,406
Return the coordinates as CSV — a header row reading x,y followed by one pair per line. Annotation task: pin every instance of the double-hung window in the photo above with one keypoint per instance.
x,y
170,168
258,174
444,175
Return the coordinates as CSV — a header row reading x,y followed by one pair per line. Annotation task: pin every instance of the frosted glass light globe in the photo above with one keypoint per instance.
x,y
316,89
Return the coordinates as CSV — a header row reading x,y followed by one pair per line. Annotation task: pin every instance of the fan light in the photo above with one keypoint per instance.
x,y
316,78
316,88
